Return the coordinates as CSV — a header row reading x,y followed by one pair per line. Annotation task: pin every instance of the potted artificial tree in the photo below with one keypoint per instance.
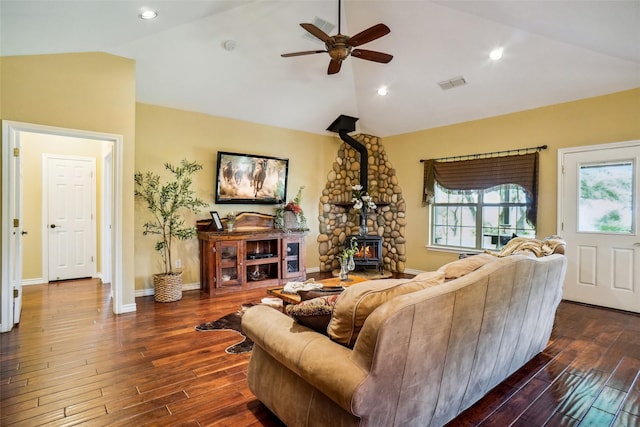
x,y
167,202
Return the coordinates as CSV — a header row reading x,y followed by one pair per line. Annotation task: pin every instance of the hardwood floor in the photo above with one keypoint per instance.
x,y
72,362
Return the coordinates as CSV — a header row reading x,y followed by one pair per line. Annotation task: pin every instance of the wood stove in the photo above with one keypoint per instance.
x,y
369,253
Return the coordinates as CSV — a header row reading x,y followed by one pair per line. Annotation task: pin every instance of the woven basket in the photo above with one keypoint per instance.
x,y
168,287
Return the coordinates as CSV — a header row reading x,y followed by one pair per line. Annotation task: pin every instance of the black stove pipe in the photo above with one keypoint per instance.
x,y
342,125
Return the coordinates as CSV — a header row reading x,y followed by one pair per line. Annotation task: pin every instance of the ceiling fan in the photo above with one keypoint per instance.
x,y
340,46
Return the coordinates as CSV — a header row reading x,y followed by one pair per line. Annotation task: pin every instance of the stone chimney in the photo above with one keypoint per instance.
x,y
337,217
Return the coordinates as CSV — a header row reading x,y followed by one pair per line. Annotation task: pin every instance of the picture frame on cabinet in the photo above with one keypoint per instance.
x,y
216,221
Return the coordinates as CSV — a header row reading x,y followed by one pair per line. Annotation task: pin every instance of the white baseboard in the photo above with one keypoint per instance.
x,y
147,292
313,270
29,282
128,308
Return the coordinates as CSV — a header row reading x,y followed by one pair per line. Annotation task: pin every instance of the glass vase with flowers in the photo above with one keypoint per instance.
x,y
347,264
362,202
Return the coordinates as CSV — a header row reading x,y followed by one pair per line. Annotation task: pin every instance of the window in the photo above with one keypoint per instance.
x,y
479,219
606,198
480,203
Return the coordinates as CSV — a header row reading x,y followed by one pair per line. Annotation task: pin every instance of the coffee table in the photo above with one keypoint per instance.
x,y
326,283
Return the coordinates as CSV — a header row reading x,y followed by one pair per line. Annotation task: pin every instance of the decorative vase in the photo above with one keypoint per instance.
x,y
229,227
364,229
291,221
344,270
351,265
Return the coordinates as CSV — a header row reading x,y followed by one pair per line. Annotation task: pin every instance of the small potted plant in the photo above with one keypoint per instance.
x,y
231,220
166,203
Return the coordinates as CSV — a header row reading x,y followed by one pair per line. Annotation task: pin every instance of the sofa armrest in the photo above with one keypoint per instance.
x,y
324,364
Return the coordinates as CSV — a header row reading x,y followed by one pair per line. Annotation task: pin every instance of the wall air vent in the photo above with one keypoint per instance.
x,y
325,26
451,83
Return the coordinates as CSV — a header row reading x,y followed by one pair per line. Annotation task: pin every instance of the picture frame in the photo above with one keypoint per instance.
x,y
216,221
251,179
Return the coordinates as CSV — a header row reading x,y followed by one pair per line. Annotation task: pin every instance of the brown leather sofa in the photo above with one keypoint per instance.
x,y
420,358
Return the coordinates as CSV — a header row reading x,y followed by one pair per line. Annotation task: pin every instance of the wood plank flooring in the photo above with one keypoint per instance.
x,y
72,362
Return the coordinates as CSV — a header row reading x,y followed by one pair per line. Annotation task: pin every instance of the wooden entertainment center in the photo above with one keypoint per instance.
x,y
254,254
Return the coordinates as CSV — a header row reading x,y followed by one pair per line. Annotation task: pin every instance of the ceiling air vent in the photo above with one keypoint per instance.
x,y
451,83
325,26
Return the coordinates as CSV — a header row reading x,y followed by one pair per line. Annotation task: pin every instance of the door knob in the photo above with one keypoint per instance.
x,y
52,226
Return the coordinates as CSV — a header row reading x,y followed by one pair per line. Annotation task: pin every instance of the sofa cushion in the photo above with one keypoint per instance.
x,y
358,301
461,267
314,313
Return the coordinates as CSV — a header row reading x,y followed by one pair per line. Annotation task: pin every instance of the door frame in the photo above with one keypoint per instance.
x,y
561,207
46,273
10,136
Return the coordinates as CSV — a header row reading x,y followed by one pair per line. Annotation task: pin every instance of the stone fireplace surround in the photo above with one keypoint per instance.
x,y
337,217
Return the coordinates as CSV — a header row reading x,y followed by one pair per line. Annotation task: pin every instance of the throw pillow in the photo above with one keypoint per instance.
x,y
322,292
461,267
358,301
313,313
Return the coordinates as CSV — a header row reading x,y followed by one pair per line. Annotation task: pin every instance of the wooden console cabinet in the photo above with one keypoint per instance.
x,y
253,255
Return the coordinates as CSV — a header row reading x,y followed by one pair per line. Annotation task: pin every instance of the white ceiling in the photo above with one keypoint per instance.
x,y
554,51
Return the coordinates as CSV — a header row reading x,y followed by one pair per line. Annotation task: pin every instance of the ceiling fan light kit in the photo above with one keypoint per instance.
x,y
340,46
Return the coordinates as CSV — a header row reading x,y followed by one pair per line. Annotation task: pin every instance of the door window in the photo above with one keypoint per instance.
x,y
605,203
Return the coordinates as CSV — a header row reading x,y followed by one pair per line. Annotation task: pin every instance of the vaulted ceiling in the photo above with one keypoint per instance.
x,y
554,51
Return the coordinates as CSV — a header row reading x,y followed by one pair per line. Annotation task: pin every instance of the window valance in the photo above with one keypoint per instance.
x,y
484,173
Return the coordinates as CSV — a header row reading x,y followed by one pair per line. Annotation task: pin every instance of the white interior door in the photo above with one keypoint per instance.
x,y
598,199
17,241
12,228
107,214
70,224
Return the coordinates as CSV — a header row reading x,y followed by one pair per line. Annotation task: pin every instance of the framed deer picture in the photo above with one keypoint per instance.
x,y
248,178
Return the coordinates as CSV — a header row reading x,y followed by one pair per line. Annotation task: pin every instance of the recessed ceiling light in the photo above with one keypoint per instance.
x,y
148,14
496,53
383,91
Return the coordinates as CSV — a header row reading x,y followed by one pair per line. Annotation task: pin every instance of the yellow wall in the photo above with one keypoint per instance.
x,y
610,118
33,147
169,135
95,91
87,91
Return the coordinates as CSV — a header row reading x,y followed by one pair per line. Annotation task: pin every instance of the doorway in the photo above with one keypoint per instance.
x,y
598,198
12,226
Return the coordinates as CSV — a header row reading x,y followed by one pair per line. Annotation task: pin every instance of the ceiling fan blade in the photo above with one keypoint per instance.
x,y
371,55
369,34
334,66
306,52
316,32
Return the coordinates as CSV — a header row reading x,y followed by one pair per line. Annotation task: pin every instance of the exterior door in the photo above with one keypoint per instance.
x,y
71,217
599,217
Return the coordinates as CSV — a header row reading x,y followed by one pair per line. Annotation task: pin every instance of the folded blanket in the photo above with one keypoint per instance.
x,y
294,287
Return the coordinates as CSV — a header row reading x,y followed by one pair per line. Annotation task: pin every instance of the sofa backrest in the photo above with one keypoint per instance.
x,y
435,352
